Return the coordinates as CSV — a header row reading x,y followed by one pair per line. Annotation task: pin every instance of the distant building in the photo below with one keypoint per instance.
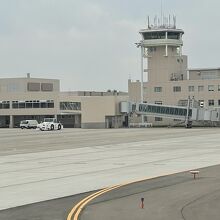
x,y
170,81
35,98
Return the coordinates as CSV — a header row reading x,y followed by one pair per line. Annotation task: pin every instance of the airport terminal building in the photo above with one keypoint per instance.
x,y
35,98
169,80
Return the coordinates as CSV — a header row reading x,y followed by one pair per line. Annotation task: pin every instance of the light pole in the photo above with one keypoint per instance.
x,y
142,72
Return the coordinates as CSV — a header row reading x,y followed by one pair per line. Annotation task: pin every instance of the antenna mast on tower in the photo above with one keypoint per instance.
x,y
161,12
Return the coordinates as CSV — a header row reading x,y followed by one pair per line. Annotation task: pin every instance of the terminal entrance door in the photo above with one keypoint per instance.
x,y
4,121
70,121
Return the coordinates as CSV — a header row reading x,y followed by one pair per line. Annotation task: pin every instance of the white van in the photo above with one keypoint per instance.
x,y
28,124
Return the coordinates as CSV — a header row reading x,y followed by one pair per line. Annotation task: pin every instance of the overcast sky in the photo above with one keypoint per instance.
x,y
89,44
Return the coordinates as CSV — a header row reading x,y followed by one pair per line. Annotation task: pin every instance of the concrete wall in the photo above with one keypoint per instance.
x,y
161,67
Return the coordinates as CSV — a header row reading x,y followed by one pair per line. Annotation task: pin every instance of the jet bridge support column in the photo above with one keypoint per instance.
x,y
188,123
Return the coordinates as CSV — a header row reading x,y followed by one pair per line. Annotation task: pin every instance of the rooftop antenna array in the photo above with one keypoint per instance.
x,y
165,22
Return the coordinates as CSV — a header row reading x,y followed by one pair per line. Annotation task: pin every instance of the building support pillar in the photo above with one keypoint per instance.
x,y
181,51
11,123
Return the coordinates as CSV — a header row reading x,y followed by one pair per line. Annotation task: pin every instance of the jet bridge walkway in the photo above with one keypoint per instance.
x,y
184,113
164,111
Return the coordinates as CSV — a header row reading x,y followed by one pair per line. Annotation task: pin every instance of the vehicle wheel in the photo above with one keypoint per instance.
x,y
22,127
59,126
52,127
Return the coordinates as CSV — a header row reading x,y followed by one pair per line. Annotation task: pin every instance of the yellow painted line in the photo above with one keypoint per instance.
x,y
94,195
90,199
79,206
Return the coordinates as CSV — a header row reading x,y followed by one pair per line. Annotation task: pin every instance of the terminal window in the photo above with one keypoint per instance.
x,y
211,88
4,104
191,88
33,87
211,102
177,88
173,35
47,87
154,35
158,119
157,89
33,104
200,88
70,105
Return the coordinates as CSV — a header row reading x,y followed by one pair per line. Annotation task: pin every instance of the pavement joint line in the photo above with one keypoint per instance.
x,y
80,205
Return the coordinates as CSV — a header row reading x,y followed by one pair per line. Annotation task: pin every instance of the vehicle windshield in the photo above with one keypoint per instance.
x,y
23,122
49,120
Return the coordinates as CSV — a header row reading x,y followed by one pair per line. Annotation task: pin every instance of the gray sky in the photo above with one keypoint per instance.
x,y
89,44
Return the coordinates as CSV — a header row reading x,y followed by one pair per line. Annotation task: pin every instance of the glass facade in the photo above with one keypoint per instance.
x,y
164,110
33,104
154,35
70,105
173,35
4,104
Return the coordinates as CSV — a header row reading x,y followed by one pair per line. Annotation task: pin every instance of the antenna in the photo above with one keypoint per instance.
x,y
155,21
161,12
169,20
174,21
148,22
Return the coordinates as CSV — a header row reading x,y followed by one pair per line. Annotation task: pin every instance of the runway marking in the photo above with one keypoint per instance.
x,y
76,210
79,206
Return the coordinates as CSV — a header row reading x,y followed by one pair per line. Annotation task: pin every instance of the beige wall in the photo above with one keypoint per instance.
x,y
204,74
12,85
94,107
161,67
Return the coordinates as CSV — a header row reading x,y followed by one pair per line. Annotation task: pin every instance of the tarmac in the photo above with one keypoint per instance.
x,y
39,166
173,197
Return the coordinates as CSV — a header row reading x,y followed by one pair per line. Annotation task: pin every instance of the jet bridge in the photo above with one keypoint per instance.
x,y
184,113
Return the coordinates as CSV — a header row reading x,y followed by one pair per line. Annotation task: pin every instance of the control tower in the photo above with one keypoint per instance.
x,y
162,46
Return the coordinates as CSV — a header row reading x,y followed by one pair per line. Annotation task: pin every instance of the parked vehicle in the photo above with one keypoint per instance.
x,y
28,124
50,124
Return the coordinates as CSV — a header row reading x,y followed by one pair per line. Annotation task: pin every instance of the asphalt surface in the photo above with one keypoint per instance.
x,y
18,141
39,166
172,197
167,198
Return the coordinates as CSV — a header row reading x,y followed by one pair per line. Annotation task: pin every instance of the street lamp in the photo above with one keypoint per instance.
x,y
140,44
